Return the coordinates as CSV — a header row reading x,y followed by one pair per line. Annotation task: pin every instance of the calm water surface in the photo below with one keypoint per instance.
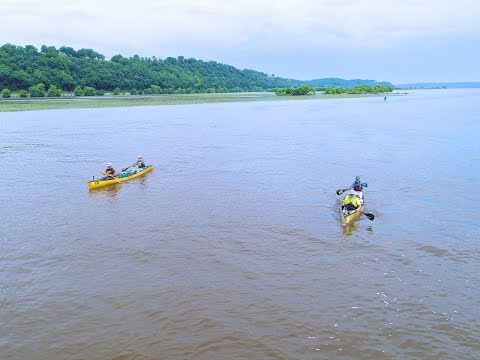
x,y
232,247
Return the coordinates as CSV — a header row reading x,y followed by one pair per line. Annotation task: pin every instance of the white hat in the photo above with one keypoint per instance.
x,y
352,192
140,156
108,164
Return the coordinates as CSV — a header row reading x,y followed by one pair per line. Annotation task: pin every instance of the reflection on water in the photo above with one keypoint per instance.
x,y
109,191
141,182
349,228
232,248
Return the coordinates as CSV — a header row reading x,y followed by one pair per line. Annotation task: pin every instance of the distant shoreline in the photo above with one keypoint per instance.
x,y
439,85
72,102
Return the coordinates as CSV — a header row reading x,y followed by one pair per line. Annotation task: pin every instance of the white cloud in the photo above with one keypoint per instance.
x,y
219,29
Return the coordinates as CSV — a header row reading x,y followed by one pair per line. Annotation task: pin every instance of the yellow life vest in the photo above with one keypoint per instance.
x,y
351,199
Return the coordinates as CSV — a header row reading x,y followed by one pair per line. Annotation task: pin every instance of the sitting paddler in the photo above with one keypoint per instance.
x,y
358,186
351,201
109,173
140,164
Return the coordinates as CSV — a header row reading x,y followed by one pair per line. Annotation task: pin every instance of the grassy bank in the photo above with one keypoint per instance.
x,y
33,104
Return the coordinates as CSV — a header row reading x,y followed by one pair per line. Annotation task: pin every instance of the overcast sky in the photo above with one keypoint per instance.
x,y
392,40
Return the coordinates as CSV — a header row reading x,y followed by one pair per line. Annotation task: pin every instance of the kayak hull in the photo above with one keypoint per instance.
x,y
96,184
349,217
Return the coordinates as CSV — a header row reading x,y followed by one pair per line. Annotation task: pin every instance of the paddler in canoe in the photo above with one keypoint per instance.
x,y
358,186
352,207
140,164
109,173
351,201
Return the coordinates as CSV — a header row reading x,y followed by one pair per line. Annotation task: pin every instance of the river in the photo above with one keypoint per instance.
x,y
232,247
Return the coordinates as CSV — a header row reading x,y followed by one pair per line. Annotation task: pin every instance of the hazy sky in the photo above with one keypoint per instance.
x,y
393,40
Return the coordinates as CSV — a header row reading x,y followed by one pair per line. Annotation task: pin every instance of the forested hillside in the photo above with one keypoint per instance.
x,y
88,73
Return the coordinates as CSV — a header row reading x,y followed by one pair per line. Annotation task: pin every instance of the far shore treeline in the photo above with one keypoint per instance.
x,y
48,71
300,90
360,89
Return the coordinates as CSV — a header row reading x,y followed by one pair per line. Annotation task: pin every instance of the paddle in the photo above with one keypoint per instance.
x,y
341,191
125,169
133,165
369,216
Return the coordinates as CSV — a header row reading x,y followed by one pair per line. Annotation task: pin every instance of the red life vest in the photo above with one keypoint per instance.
x,y
358,187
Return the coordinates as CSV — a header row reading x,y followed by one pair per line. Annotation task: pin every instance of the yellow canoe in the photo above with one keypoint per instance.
x,y
95,184
349,217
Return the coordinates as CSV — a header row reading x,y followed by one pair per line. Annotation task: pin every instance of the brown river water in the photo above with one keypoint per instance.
x,y
232,247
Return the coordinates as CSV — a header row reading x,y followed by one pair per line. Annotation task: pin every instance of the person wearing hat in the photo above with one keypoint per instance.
x,y
140,163
358,186
351,201
109,172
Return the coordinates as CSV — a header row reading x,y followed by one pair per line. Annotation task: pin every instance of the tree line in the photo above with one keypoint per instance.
x,y
326,83
360,89
300,90
22,68
49,71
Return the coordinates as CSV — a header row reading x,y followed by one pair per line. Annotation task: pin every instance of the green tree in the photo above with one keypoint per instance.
x,y
155,89
300,90
38,90
23,93
67,51
78,91
89,54
50,51
89,91
117,91
53,91
39,77
334,91
6,93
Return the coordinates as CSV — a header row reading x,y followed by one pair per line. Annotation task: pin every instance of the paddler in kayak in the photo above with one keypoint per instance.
x,y
358,186
109,173
351,201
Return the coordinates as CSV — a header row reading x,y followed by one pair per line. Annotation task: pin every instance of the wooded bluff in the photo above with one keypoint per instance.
x,y
87,72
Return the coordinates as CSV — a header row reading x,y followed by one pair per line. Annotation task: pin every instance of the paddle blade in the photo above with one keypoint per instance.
x,y
369,216
339,191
